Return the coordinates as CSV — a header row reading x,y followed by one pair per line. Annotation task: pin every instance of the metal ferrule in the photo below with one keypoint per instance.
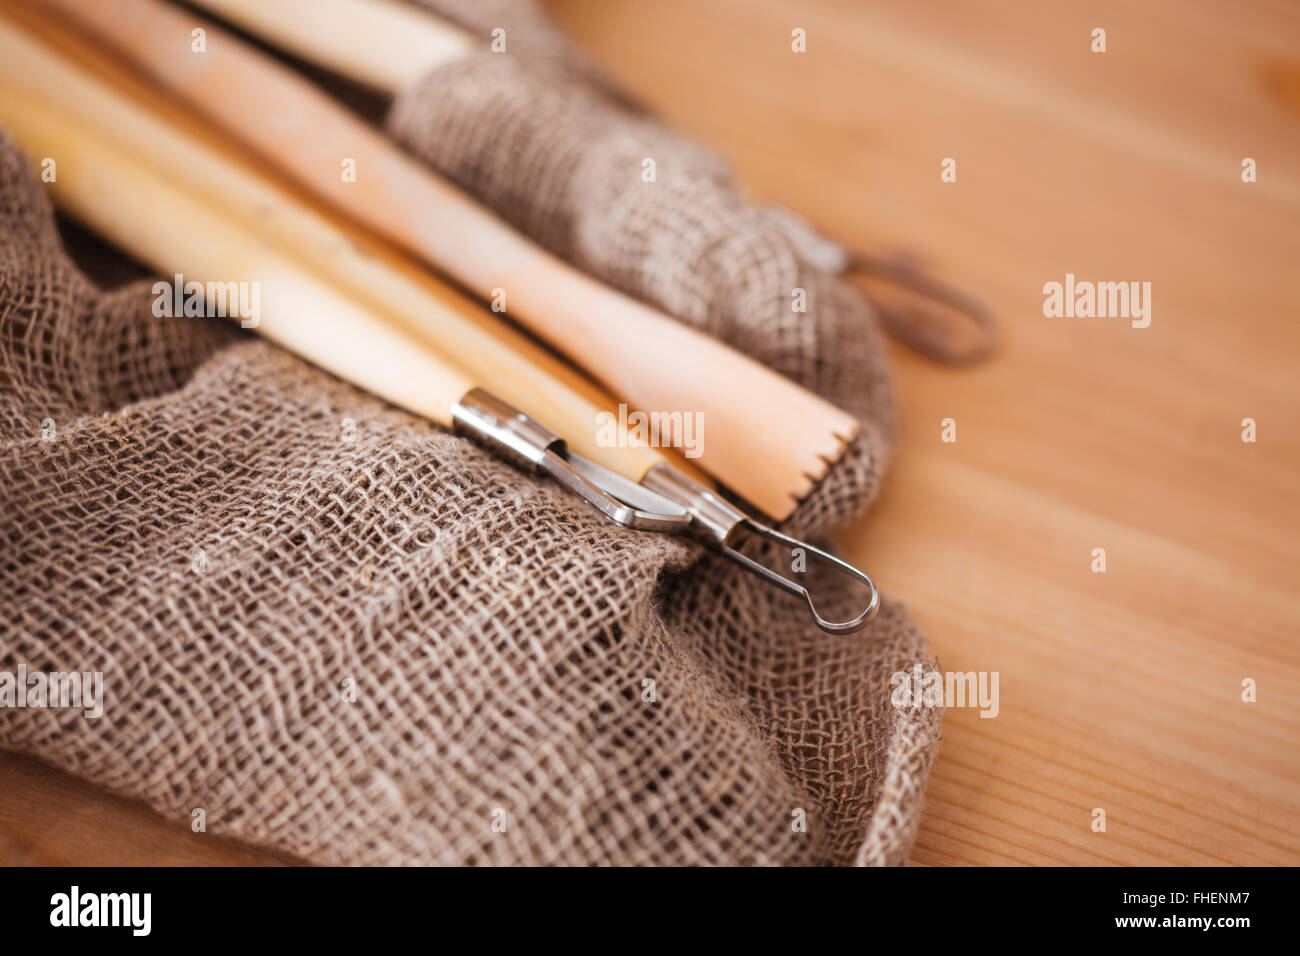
x,y
488,420
715,519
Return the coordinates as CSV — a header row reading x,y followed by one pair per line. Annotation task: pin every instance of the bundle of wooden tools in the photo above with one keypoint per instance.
x,y
223,166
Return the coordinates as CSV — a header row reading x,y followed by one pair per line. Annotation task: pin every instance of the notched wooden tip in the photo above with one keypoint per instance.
x,y
813,470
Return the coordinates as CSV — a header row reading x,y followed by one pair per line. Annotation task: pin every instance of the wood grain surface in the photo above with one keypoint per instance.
x,y
1119,690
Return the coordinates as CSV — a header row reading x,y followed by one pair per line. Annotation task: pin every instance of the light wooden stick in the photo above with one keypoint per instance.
x,y
767,438
381,43
107,188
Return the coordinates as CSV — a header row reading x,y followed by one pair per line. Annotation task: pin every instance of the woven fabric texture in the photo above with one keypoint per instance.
x,y
352,637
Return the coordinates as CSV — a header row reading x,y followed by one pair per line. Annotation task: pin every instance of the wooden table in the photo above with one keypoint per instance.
x,y
1119,690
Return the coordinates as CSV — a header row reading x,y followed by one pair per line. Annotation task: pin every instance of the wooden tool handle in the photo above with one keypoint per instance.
x,y
114,194
382,43
766,437
493,355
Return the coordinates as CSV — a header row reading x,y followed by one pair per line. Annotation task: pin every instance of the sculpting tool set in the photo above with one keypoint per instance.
x,y
222,167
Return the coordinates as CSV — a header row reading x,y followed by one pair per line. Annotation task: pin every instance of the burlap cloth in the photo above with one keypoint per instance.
x,y
350,636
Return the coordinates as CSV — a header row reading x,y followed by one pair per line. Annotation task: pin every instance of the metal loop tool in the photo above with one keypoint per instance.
x,y
665,500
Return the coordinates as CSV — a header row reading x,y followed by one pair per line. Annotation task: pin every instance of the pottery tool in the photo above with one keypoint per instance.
x,y
389,45
177,203
770,441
